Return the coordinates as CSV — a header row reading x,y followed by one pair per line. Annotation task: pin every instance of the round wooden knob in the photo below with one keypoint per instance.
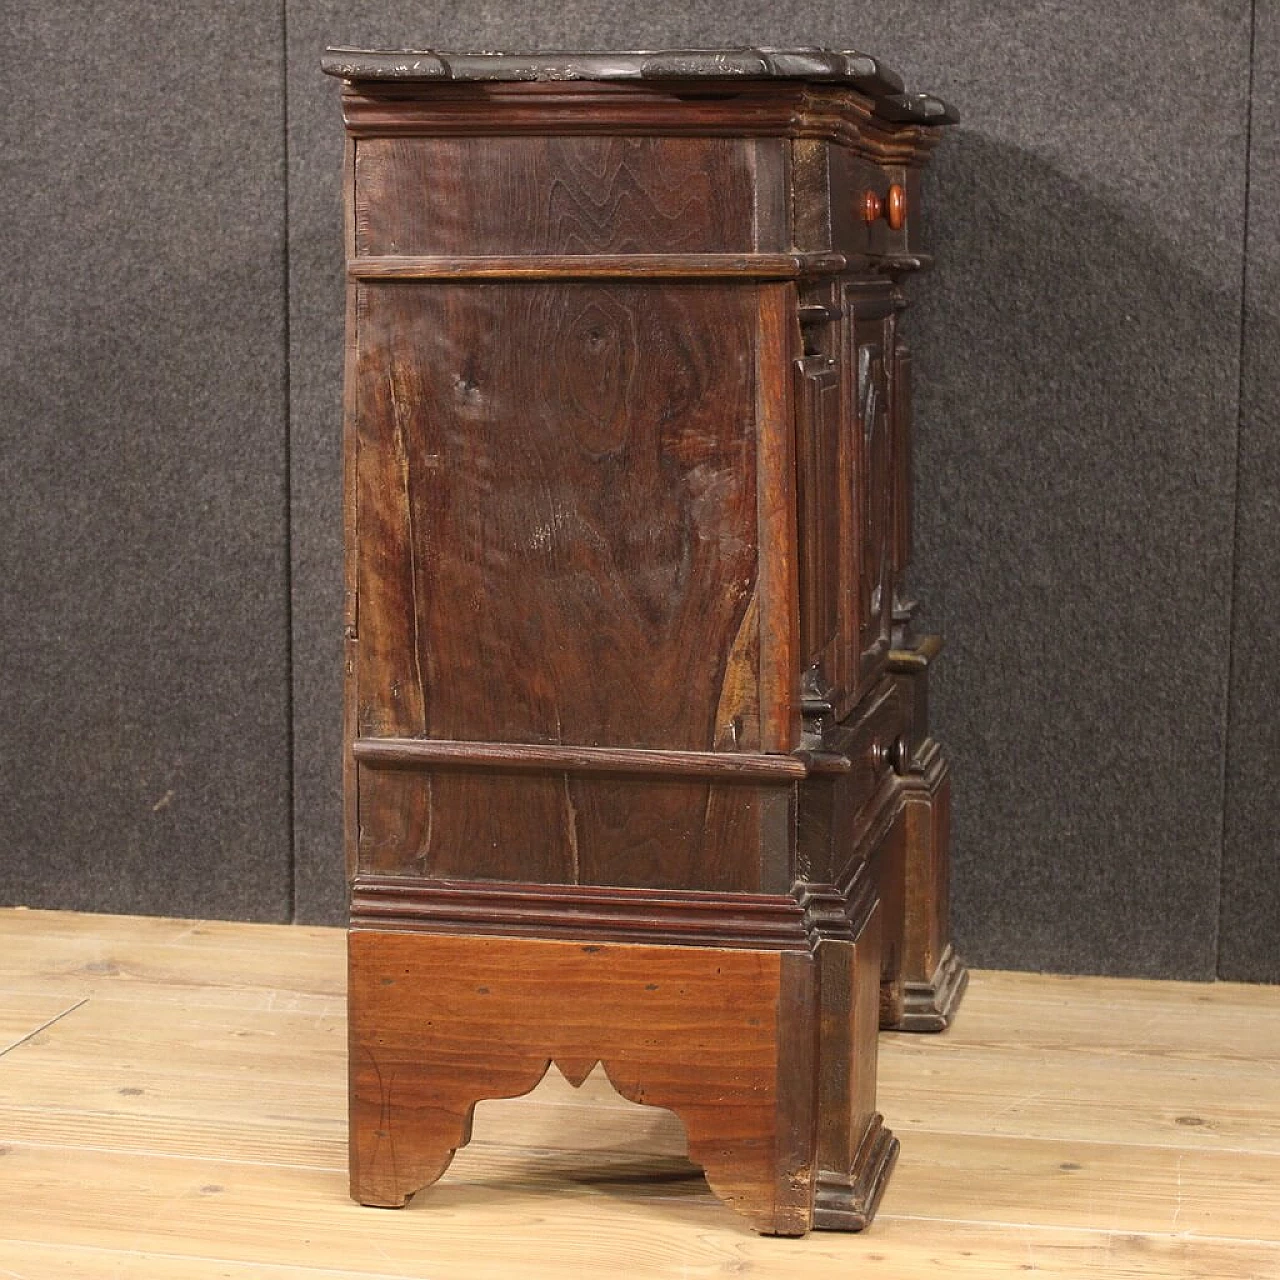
x,y
894,754
871,206
896,207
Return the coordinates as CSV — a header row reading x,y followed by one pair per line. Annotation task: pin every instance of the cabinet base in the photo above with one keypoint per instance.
x,y
930,1006
748,1047
848,1202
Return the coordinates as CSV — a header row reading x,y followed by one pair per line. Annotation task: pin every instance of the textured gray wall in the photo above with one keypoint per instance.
x,y
1250,938
1078,375
144,644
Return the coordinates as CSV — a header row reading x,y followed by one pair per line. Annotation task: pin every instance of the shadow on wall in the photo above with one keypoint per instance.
x,y
1076,397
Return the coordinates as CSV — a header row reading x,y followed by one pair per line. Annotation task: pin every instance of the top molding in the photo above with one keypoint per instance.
x,y
828,66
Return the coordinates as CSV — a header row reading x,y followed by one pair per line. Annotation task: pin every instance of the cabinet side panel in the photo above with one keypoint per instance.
x,y
557,514
555,195
556,487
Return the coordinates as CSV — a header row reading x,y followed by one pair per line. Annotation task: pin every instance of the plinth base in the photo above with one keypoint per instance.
x,y
849,1203
930,1006
731,1040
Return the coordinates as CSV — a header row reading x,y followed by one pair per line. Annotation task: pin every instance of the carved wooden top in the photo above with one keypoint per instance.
x,y
831,66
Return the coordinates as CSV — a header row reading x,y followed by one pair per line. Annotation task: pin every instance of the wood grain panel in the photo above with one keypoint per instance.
x,y
556,488
569,470
723,1042
778,345
663,833
556,194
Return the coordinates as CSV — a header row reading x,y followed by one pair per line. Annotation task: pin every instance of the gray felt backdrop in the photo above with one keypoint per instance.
x,y
1098,402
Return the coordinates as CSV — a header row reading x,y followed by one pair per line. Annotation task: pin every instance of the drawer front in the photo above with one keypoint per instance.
x,y
840,810
557,195
873,741
873,207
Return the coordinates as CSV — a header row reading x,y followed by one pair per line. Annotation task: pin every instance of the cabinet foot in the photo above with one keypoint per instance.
x,y
929,976
848,1202
930,1006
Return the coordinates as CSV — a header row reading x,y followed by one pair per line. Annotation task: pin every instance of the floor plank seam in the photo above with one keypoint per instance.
x,y
1197,1237
904,1129
149,1154
44,1026
303,1268
480,1143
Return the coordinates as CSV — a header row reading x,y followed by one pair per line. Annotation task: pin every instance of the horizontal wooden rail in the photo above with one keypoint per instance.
x,y
689,917
667,266
435,753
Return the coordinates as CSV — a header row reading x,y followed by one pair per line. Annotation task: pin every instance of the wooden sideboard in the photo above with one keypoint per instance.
x,y
639,770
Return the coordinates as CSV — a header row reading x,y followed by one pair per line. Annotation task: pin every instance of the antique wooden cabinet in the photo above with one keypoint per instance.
x,y
639,770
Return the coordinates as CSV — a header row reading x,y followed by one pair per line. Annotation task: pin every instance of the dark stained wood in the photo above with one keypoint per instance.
x,y
759,921
583,486
882,85
351,544
827,503
778,564
665,832
671,266
855,1152
845,65
819,467
746,108
435,753
632,772
573,467
933,979
550,196
869,362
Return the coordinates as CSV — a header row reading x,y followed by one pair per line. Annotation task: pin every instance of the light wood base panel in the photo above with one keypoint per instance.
x,y
737,1043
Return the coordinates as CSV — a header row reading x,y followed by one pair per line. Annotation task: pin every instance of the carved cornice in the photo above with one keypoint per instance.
x,y
881,86
782,109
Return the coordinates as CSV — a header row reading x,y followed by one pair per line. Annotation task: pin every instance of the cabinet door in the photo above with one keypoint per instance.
x,y
852,480
874,479
901,456
825,625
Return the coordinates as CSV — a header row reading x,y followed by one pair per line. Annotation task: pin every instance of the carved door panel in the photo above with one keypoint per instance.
x,y
871,363
901,457
823,520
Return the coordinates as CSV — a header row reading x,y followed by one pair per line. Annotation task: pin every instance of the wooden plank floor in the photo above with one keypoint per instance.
x,y
172,1108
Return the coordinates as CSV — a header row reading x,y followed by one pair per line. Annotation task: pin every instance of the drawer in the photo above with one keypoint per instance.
x,y
483,196
873,207
874,741
841,806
